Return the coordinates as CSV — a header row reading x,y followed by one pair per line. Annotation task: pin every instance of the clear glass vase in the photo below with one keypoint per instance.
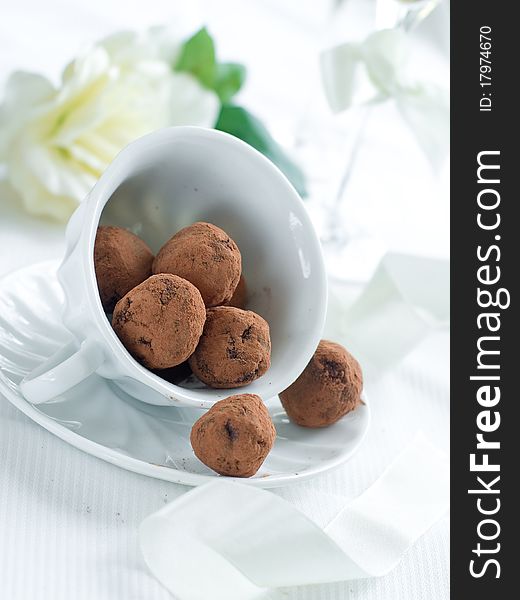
x,y
334,146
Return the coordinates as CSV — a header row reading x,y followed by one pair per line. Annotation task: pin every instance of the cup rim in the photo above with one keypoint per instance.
x,y
98,198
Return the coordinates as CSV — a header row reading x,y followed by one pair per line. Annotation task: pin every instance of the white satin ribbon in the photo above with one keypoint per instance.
x,y
230,541
373,71
406,299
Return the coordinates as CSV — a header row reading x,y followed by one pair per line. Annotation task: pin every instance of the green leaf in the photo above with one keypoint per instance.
x,y
198,58
242,124
229,78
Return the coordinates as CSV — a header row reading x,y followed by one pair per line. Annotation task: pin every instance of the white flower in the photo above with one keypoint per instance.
x,y
56,142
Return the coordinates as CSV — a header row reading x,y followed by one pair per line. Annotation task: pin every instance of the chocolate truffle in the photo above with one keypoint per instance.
x,y
235,436
239,298
160,321
122,261
234,349
176,375
207,257
329,388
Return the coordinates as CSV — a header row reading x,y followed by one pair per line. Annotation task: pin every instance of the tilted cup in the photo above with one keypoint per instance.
x,y
154,187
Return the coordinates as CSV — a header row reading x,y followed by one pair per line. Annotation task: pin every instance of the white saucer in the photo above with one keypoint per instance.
x,y
101,420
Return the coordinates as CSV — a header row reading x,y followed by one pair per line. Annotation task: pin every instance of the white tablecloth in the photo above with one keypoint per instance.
x,y
68,521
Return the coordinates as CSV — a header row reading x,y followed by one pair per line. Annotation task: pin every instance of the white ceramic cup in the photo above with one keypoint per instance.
x,y
154,187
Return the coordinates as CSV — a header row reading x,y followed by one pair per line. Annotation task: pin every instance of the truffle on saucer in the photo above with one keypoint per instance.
x,y
160,321
207,257
234,437
122,260
234,349
329,388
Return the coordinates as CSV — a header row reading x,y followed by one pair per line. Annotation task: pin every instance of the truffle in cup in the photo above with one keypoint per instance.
x,y
328,389
206,256
160,321
234,349
239,298
235,436
121,260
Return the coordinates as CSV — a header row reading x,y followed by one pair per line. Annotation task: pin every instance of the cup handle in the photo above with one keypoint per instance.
x,y
66,368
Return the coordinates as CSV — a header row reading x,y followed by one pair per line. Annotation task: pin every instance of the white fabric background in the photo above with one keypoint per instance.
x,y
68,521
